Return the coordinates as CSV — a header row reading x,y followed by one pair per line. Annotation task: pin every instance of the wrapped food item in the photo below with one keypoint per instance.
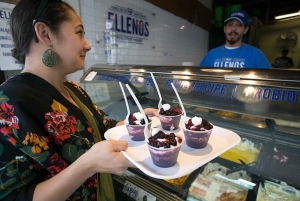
x,y
214,185
253,118
200,109
226,114
280,122
246,151
178,181
271,191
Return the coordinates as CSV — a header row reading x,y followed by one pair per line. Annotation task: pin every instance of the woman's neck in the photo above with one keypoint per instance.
x,y
51,75
57,81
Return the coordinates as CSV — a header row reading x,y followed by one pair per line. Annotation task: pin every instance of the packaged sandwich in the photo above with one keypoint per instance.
x,y
213,184
271,191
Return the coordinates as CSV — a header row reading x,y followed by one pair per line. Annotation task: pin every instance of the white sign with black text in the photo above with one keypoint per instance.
x,y
7,62
132,23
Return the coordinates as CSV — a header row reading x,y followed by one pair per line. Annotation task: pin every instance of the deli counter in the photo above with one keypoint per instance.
x,y
261,105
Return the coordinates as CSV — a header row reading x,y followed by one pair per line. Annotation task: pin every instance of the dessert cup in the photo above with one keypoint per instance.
x,y
197,139
136,132
169,123
164,157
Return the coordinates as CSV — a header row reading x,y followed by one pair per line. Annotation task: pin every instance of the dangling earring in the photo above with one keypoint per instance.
x,y
49,58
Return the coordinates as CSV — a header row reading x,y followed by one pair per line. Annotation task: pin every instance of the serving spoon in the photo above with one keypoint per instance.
x,y
158,91
182,108
147,133
127,106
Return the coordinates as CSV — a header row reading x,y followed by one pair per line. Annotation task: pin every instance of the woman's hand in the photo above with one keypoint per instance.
x,y
103,157
151,112
106,157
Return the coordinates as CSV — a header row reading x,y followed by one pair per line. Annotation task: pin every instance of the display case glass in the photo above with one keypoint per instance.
x,y
262,106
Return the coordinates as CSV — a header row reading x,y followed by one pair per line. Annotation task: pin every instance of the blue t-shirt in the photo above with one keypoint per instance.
x,y
246,56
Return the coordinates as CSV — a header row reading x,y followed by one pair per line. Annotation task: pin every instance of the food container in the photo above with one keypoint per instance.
x,y
111,54
110,37
247,151
178,181
284,160
197,139
164,148
271,191
164,157
214,185
197,132
136,132
169,123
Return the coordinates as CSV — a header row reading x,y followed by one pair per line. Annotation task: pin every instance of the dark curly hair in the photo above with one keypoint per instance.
x,y
21,19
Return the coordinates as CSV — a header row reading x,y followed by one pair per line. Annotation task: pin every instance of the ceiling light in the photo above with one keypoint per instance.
x,y
287,15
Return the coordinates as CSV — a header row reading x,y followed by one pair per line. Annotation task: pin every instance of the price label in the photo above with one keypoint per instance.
x,y
137,193
90,76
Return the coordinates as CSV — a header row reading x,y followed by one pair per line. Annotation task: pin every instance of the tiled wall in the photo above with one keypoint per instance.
x,y
172,44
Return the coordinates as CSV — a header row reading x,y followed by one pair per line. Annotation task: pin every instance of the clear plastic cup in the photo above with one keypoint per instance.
x,y
164,157
136,132
197,139
109,24
111,54
110,37
169,123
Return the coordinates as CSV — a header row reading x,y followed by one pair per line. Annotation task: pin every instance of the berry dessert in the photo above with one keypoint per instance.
x,y
197,132
137,119
136,126
169,117
164,148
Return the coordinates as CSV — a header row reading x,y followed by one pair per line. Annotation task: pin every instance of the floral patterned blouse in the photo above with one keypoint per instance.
x,y
42,133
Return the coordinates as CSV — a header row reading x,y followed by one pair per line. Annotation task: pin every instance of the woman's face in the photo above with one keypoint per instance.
x,y
70,45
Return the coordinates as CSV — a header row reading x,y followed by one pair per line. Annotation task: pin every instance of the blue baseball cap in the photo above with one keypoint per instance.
x,y
239,15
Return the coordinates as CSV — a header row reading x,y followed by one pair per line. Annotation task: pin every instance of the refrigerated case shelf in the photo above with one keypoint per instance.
x,y
207,92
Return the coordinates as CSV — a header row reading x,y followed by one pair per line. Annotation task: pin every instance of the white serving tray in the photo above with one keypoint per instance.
x,y
189,159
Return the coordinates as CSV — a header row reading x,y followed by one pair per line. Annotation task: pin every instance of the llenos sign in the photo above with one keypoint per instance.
x,y
132,23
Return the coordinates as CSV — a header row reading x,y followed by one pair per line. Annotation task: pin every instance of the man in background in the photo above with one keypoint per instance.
x,y
235,53
284,61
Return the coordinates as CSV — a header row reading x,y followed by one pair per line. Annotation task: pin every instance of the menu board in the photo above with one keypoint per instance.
x,y
7,62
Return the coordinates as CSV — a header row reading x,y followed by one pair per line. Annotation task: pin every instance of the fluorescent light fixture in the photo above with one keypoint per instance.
x,y
287,15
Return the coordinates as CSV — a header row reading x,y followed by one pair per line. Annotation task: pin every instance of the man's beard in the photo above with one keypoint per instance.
x,y
232,42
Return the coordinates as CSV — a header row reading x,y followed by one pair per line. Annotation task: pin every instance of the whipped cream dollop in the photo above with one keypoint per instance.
x,y
154,131
166,107
196,121
138,117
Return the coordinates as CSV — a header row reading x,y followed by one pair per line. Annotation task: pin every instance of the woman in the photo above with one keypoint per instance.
x,y
48,140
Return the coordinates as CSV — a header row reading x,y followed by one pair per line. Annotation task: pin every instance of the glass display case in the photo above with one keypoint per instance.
x,y
262,106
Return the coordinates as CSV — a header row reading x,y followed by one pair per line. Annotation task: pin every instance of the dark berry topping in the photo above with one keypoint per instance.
x,y
170,112
132,118
205,125
169,140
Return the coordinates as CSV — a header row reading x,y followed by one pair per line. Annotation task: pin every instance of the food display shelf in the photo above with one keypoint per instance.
x,y
244,101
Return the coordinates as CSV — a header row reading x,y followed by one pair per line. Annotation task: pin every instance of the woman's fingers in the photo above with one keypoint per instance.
x,y
151,111
106,157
